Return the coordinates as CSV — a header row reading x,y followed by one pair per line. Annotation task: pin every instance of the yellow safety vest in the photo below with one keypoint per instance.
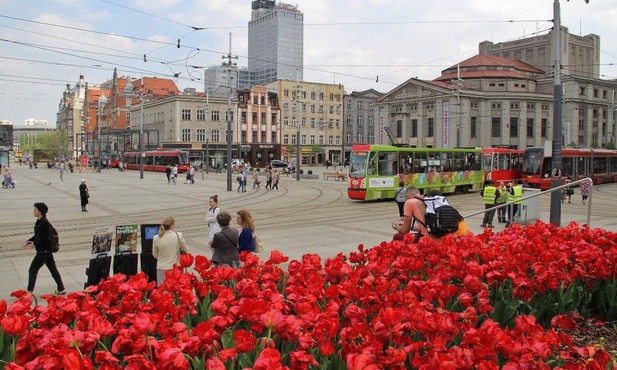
x,y
518,194
488,196
503,196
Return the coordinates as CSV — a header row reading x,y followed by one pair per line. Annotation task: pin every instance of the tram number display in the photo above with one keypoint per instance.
x,y
384,182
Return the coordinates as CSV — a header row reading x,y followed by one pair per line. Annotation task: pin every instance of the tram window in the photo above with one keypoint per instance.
x,y
583,166
372,165
147,160
599,165
387,163
419,162
446,162
613,164
567,167
517,162
459,162
547,164
504,161
406,161
487,162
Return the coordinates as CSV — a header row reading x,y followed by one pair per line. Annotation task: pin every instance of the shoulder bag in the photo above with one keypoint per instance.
x,y
180,244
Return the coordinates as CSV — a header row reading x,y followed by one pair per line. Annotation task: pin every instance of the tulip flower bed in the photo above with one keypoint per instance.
x,y
491,301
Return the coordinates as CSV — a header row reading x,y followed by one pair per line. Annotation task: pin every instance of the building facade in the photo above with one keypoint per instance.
x,y
275,42
494,100
311,114
71,116
361,117
259,125
189,121
217,76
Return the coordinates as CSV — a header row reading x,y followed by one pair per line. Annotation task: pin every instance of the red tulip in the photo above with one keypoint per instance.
x,y
186,260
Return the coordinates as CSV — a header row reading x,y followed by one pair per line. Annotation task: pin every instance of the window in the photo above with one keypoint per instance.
x,y
254,137
303,107
496,127
370,121
338,123
330,140
360,121
285,106
387,164
312,139
263,118
186,134
216,135
320,139
331,97
544,127
312,108
338,140
255,100
472,127
359,137
293,139
414,128
215,116
262,100
359,105
313,95
303,139
348,119
348,104
313,122
303,122
370,105
186,114
201,135
331,109
348,137
286,139
320,96
431,127
321,109
201,114
285,92
581,90
513,127
273,137
529,127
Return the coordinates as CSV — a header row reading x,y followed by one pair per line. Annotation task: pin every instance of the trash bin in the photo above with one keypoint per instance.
x,y
529,211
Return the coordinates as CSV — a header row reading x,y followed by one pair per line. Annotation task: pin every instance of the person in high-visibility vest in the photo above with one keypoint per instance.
x,y
489,195
516,197
503,198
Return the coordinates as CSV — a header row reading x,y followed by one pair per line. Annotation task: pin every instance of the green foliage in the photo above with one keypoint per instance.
x,y
310,172
48,145
301,172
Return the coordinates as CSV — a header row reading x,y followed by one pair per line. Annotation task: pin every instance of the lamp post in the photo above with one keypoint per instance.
x,y
230,67
555,210
141,130
298,154
100,107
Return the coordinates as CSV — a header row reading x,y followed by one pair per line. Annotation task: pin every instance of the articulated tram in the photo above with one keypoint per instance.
x,y
376,170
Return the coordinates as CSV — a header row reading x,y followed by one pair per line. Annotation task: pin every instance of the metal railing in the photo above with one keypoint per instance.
x,y
549,191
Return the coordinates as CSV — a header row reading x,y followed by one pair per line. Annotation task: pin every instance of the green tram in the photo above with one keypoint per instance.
x,y
375,170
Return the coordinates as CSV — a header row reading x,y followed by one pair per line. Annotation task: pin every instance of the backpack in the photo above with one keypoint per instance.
x,y
440,217
54,246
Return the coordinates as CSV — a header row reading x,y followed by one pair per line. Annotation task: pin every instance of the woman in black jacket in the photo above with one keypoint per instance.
x,y
84,194
41,241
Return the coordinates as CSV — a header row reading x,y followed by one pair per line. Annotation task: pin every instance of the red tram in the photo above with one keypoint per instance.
x,y
502,164
598,164
158,160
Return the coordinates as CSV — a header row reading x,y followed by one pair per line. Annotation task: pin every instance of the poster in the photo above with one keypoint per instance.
x,y
102,241
126,238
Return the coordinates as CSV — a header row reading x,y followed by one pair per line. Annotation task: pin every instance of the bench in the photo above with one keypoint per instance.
x,y
336,175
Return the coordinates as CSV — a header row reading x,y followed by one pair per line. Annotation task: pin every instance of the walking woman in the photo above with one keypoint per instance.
x,y
213,225
84,194
41,242
245,240
166,248
225,243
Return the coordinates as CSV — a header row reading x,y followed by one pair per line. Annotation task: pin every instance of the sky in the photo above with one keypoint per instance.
x,y
378,44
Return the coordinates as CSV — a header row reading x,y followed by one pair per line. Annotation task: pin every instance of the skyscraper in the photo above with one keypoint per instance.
x,y
276,42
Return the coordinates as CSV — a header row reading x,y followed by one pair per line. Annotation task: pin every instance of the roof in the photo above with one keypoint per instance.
x,y
489,66
158,86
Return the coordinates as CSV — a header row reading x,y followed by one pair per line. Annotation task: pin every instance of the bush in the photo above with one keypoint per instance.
x,y
310,172
301,172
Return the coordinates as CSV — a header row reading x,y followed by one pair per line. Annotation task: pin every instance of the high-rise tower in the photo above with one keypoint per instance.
x,y
276,42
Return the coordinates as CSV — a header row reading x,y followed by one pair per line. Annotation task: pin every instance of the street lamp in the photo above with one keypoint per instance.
x,y
100,107
141,130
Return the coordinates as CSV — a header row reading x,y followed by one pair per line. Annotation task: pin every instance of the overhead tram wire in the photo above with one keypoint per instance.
x,y
154,16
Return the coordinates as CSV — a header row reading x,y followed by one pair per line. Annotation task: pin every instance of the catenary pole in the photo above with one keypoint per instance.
x,y
555,210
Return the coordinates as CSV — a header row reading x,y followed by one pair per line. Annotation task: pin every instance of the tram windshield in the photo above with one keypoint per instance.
x,y
533,161
357,163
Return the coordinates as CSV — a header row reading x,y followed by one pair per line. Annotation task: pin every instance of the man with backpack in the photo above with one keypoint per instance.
x,y
44,242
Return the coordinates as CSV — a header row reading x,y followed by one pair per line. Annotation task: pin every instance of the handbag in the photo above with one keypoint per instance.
x,y
258,247
239,178
182,251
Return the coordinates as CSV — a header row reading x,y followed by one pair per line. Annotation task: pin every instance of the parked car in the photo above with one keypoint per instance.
x,y
287,168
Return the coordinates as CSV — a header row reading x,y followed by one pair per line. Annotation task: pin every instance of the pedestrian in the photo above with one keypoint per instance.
x,y
192,174
168,173
188,175
585,190
174,173
246,243
268,179
255,179
489,196
413,218
567,192
218,168
62,171
245,171
120,166
225,243
213,225
503,198
8,178
275,180
42,243
400,198
167,247
239,179
84,194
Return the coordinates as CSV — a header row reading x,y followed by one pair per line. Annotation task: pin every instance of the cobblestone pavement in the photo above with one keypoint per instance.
x,y
306,216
